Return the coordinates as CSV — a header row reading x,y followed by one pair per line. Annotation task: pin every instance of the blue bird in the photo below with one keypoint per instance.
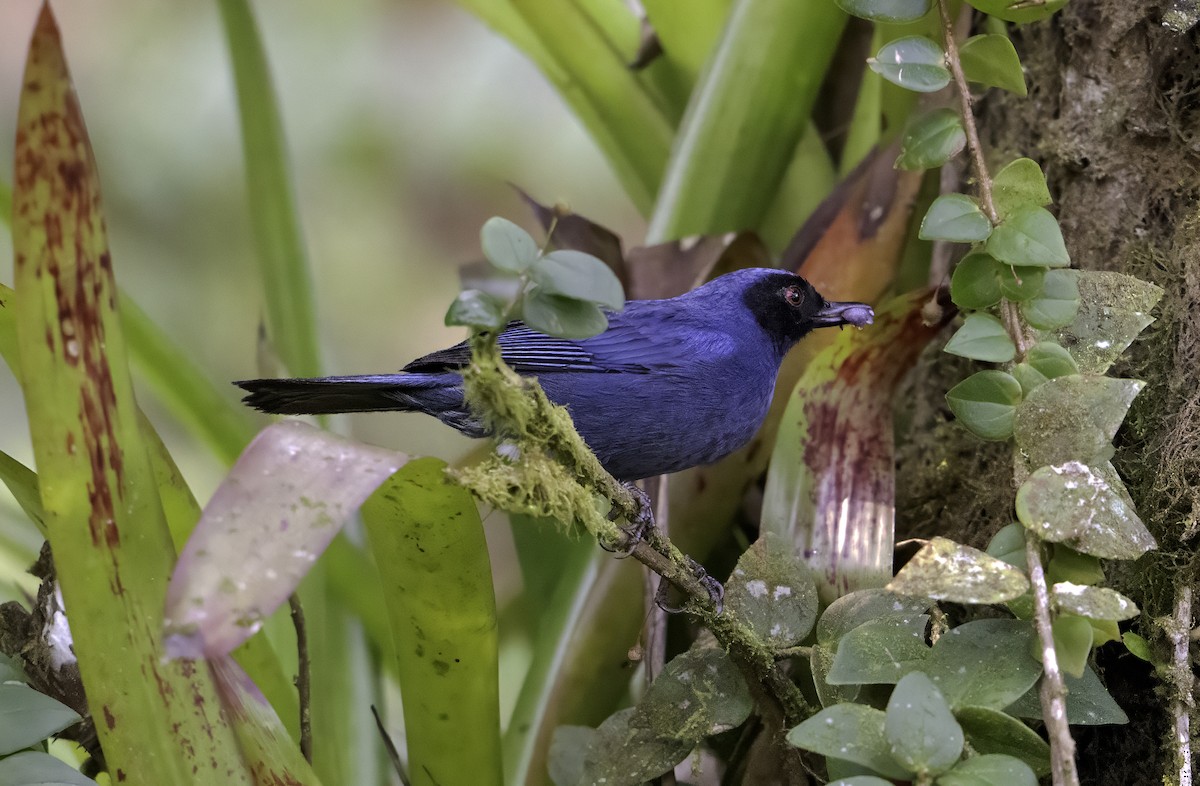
x,y
670,384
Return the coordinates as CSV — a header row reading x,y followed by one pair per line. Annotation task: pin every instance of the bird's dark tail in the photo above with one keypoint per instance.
x,y
331,395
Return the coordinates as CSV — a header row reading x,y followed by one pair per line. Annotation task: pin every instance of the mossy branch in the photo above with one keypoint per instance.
x,y
554,475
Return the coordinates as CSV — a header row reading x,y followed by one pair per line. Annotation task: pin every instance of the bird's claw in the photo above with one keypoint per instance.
x,y
636,530
716,592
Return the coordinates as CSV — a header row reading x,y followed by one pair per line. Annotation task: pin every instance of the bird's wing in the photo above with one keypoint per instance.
x,y
626,346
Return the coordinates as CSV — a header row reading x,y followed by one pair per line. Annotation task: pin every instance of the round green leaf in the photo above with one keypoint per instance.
x,y
699,693
957,218
852,732
982,337
993,769
1008,545
1098,603
890,11
849,611
506,245
1021,283
931,140
985,404
1029,237
945,570
861,780
922,732
1057,304
581,276
975,283
1029,377
625,754
984,663
1067,564
993,731
1019,184
560,316
992,60
1011,11
476,309
913,62
1085,507
1072,643
773,591
880,651
1051,360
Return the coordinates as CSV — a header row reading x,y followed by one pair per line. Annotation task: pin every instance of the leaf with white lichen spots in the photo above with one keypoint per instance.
x,y
1098,603
774,592
945,570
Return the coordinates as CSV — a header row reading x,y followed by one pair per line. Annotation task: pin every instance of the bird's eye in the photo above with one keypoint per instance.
x,y
793,296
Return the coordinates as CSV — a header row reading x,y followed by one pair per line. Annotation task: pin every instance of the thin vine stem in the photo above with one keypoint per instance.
x,y
1053,691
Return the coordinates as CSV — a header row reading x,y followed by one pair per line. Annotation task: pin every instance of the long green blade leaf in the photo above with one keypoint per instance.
x,y
745,117
428,542
111,546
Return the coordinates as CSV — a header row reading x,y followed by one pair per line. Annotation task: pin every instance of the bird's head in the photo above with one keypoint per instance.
x,y
787,307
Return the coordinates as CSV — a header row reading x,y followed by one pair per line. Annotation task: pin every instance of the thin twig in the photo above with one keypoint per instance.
x,y
393,754
303,677
656,617
1183,684
1053,690
968,113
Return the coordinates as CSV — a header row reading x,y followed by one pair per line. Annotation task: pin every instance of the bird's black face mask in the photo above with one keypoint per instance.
x,y
788,308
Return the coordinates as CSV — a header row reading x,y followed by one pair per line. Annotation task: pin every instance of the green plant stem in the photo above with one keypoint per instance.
x,y
1053,690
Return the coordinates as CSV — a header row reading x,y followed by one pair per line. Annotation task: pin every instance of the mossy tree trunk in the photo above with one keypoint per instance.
x,y
1113,116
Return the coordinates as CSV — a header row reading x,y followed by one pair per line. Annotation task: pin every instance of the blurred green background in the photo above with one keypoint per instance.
x,y
405,120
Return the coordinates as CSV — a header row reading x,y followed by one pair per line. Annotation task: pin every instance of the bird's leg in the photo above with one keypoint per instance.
x,y
716,592
635,531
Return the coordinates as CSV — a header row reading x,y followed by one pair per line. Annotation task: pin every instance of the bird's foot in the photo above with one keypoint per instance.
x,y
716,592
635,531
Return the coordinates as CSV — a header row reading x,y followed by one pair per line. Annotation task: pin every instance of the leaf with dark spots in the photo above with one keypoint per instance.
x,y
267,749
830,487
103,513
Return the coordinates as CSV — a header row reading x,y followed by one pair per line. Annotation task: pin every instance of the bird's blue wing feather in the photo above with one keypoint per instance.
x,y
631,344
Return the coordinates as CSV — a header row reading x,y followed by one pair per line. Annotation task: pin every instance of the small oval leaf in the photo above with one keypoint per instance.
x,y
993,769
922,733
992,60
889,11
506,245
957,218
982,337
476,309
931,140
852,732
580,276
985,403
1058,302
1029,237
560,316
1020,183
1018,11
975,283
914,62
